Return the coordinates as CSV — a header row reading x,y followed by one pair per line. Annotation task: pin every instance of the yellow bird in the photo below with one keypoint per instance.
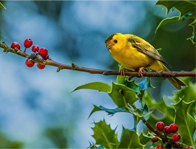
x,y
135,53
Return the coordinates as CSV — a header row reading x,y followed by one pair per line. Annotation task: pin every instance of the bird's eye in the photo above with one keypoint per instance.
x,y
115,40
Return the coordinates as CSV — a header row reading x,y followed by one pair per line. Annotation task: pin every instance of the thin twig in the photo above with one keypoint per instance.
x,y
97,71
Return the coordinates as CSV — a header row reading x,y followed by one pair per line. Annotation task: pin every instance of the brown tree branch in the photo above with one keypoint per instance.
x,y
96,71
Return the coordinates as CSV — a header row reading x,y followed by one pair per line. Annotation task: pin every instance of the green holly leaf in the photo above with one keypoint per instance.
x,y
186,123
188,93
121,79
186,9
109,111
129,83
144,138
166,21
121,95
95,109
104,135
192,109
137,117
99,86
189,16
183,7
129,139
2,6
161,106
193,38
127,80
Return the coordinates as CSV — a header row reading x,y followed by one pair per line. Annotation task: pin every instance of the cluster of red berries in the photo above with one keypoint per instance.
x,y
173,128
43,52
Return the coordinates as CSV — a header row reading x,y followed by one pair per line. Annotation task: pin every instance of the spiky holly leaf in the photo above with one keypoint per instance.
x,y
109,111
186,123
162,106
186,9
127,80
193,37
129,139
131,84
2,6
188,93
121,95
192,109
105,135
99,86
183,7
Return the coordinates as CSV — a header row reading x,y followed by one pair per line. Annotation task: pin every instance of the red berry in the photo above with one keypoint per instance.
x,y
28,43
41,66
177,143
46,57
154,139
29,63
15,45
176,137
166,130
159,147
189,147
43,52
173,128
35,48
160,126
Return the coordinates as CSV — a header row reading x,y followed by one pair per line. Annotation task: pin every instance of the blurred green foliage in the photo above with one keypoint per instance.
x,y
6,142
2,6
57,136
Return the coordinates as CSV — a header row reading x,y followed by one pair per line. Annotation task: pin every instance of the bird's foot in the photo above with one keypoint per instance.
x,y
160,72
122,71
141,71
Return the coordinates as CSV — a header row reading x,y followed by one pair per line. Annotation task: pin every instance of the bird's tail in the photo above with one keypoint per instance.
x,y
174,80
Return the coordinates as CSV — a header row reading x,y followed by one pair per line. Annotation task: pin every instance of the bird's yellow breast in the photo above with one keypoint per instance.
x,y
130,57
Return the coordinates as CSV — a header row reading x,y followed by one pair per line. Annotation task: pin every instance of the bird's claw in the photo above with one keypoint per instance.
x,y
122,71
160,72
141,71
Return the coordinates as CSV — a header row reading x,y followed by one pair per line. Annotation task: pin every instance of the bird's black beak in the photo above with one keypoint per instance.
x,y
109,47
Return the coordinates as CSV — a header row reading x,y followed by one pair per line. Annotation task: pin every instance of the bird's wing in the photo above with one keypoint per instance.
x,y
144,47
